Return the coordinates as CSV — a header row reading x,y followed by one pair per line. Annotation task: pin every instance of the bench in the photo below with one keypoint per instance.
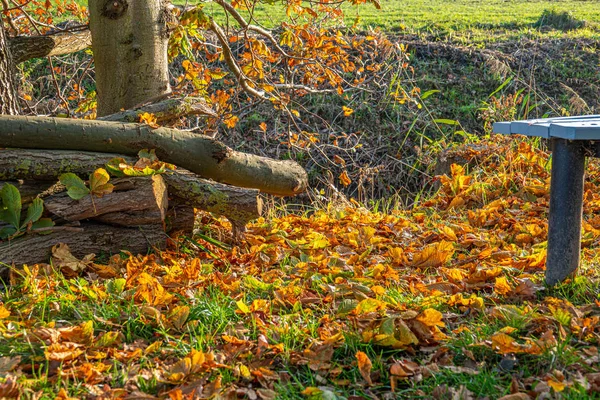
x,y
572,139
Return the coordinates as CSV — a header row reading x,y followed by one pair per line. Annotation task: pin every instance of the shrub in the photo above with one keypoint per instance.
x,y
560,20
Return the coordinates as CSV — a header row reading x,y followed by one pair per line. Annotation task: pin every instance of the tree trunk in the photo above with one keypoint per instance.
x,y
24,48
129,41
200,154
237,204
8,92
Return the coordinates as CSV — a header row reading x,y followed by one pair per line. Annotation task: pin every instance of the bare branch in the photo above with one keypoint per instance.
x,y
233,65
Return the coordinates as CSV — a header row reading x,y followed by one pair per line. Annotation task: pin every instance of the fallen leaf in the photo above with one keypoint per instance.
x,y
364,366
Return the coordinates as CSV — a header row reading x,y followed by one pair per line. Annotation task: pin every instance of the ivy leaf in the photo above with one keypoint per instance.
x,y
11,201
99,185
34,212
76,188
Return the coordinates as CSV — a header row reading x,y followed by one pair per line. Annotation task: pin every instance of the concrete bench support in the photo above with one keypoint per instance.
x,y
566,207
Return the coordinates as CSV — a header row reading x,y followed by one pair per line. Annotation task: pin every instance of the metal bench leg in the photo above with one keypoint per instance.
x,y
566,205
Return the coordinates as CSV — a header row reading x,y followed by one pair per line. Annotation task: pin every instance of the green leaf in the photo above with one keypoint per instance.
x,y
34,212
114,166
254,283
346,306
429,93
76,188
7,232
446,121
11,201
99,185
149,154
42,223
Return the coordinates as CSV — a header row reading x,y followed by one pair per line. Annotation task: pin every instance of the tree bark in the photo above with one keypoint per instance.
x,y
8,92
200,154
237,204
24,48
129,41
89,238
134,201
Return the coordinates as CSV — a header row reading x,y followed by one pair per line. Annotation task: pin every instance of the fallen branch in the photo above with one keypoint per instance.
x,y
165,110
237,204
24,48
198,153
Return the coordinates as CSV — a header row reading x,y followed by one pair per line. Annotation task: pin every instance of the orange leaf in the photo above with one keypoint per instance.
x,y
505,344
345,179
434,255
364,366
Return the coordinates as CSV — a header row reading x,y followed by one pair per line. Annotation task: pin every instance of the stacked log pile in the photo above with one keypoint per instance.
x,y
140,212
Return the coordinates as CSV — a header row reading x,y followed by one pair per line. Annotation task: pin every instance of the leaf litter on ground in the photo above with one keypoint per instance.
x,y
445,300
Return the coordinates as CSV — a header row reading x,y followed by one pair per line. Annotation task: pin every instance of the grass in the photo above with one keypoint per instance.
x,y
459,20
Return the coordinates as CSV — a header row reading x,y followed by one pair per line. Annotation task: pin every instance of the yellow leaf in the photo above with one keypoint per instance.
x,y
243,307
448,233
434,255
3,312
153,347
245,372
179,316
556,385
99,185
149,119
369,305
364,366
502,287
431,318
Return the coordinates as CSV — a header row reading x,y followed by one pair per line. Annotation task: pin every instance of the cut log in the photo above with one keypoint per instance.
x,y
134,201
200,154
180,218
94,238
54,44
165,110
237,204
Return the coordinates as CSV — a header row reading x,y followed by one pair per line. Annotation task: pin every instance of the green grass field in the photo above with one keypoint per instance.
x,y
466,19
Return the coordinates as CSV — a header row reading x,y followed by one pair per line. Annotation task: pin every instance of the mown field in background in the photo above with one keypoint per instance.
x,y
465,19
